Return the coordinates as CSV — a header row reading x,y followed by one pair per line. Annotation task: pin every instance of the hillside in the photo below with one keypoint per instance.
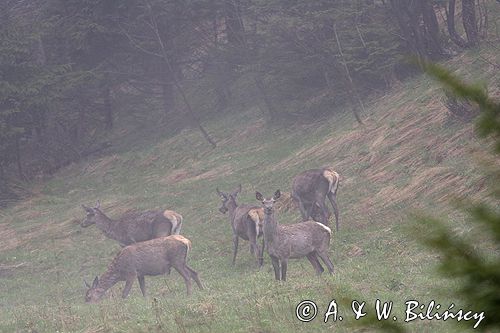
x,y
410,156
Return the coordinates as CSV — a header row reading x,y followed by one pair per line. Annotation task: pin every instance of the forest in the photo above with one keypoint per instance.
x,y
69,69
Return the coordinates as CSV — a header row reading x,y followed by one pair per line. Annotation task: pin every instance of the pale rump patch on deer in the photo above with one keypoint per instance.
x,y
257,216
175,219
324,227
333,179
311,188
182,239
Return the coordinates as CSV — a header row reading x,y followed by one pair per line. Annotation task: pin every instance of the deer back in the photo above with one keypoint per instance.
x,y
153,257
136,226
310,184
298,240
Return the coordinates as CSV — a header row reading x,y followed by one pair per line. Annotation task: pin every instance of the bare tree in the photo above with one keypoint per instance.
x,y
450,22
469,22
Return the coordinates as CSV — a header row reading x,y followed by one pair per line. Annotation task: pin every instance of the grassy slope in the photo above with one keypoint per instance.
x,y
408,157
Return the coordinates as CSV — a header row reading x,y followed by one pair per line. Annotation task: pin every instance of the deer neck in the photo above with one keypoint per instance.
x,y
231,206
104,223
108,279
270,228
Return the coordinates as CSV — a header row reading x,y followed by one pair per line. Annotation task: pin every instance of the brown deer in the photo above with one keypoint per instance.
x,y
134,226
246,222
309,239
311,188
149,258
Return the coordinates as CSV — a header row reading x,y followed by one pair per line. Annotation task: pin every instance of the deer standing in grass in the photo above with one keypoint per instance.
x,y
311,187
246,223
134,226
149,258
306,239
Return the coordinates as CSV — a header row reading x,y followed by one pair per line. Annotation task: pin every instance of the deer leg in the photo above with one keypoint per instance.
x,y
327,261
303,210
256,253
261,254
324,211
194,276
284,265
276,266
309,210
186,274
313,259
333,200
252,237
128,285
142,285
235,247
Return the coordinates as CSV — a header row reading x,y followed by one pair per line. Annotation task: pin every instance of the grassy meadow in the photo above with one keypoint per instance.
x,y
409,157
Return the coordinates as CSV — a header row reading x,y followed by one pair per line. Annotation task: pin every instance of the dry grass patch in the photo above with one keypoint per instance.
x,y
183,175
102,165
250,130
9,239
222,170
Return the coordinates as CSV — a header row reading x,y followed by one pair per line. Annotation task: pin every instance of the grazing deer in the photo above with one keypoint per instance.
x,y
134,226
309,239
311,187
246,222
149,258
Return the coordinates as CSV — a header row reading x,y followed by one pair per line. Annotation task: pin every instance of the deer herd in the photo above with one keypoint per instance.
x,y
152,243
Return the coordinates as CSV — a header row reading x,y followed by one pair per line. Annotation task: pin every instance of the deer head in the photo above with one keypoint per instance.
x,y
268,203
90,218
94,294
226,198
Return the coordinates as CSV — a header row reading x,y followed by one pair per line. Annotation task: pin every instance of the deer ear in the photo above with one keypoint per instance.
x,y
237,191
96,281
259,196
277,194
219,192
87,209
98,204
86,284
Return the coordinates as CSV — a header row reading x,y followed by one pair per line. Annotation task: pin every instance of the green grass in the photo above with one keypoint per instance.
x,y
409,157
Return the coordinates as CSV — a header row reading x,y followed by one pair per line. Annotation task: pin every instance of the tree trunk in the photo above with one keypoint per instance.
x,y
108,109
406,21
17,152
431,30
352,89
450,22
483,19
222,74
222,96
418,23
234,24
469,22
167,94
269,104
193,117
